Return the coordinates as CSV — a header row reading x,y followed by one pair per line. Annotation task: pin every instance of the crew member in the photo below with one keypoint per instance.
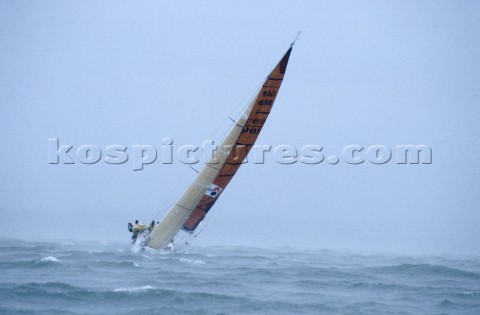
x,y
151,226
138,228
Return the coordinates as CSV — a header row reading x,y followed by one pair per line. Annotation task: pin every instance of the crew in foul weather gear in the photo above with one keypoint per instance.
x,y
137,229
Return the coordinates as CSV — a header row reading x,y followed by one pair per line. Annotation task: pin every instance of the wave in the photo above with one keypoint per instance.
x,y
116,264
456,306
61,291
135,289
47,261
33,291
393,287
192,261
427,269
92,278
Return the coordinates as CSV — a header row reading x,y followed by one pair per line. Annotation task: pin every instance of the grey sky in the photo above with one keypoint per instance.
x,y
375,72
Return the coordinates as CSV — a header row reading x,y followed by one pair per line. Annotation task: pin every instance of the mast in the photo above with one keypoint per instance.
x,y
202,194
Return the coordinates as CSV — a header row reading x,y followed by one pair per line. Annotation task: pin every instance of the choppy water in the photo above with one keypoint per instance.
x,y
94,278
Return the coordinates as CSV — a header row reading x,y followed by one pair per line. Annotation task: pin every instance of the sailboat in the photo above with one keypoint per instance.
x,y
192,207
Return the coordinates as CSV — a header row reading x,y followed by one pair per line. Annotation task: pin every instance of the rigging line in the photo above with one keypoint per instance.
x,y
245,105
194,169
296,39
242,105
183,241
172,191
190,237
187,241
182,238
200,231
163,209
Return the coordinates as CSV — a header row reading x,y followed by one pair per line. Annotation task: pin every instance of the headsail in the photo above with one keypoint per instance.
x,y
202,194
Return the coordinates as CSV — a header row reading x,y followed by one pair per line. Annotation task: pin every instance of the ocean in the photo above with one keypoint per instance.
x,y
107,278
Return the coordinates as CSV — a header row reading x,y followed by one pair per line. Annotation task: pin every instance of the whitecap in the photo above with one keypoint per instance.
x,y
192,261
48,259
135,289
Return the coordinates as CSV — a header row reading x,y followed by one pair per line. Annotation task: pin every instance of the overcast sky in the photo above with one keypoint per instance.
x,y
131,73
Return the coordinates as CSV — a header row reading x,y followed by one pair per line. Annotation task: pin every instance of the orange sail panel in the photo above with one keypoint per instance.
x,y
254,124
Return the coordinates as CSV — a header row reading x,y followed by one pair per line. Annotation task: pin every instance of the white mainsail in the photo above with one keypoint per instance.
x,y
172,222
200,196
